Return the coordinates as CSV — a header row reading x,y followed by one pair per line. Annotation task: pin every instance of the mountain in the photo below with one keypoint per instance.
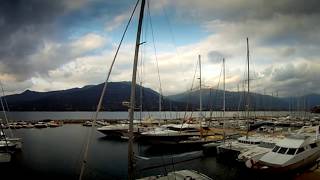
x,y
86,99
303,102
213,98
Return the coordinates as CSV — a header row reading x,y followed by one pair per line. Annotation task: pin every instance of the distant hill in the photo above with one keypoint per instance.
x,y
86,99
236,100
303,102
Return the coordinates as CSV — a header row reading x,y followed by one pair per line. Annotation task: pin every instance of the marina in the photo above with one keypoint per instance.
x,y
159,90
107,156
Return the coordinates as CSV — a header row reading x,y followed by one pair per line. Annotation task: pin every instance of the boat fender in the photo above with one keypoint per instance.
x,y
249,163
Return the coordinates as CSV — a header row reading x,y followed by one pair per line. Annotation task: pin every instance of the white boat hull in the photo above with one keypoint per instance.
x,y
272,168
5,157
16,141
180,175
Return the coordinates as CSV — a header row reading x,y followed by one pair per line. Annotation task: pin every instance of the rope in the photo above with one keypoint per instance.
x,y
189,93
171,32
85,157
155,55
216,93
5,137
4,110
4,97
211,103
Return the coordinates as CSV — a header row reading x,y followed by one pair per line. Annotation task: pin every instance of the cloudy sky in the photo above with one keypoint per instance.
x,y
52,45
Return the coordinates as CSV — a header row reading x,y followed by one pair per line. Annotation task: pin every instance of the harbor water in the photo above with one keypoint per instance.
x,y
84,115
56,153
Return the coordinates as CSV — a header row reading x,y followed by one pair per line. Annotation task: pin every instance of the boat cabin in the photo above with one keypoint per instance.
x,y
295,145
249,140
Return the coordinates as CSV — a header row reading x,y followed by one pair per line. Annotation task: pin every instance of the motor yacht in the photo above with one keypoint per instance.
x,y
296,151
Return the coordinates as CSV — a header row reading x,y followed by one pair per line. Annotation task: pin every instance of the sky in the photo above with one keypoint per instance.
x,y
53,45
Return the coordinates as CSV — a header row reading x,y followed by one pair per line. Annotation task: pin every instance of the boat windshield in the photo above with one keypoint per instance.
x,y
283,150
275,149
313,145
291,151
300,150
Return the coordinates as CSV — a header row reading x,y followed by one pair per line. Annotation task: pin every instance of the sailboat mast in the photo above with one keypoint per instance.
x,y
5,137
133,93
141,98
3,108
200,87
224,86
248,96
160,100
224,97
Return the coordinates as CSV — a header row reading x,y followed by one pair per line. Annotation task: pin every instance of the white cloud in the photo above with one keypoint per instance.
x,y
297,77
156,6
283,45
88,42
75,4
117,21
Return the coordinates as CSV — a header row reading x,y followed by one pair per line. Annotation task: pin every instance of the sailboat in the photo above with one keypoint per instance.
x,y
121,130
234,148
211,148
8,145
185,134
188,174
131,156
5,148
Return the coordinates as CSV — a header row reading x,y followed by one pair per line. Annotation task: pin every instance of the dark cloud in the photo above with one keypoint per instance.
x,y
272,23
27,27
96,13
291,7
24,26
36,35
216,56
242,10
287,73
288,52
292,79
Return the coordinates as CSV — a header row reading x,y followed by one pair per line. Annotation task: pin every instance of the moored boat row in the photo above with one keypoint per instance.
x,y
39,124
8,147
289,152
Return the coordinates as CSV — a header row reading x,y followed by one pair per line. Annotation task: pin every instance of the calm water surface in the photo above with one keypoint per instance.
x,y
27,116
55,153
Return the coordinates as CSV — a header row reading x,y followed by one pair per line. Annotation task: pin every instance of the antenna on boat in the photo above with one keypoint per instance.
x,y
132,96
248,96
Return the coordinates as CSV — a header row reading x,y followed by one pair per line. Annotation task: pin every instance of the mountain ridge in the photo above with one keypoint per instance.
x,y
86,99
